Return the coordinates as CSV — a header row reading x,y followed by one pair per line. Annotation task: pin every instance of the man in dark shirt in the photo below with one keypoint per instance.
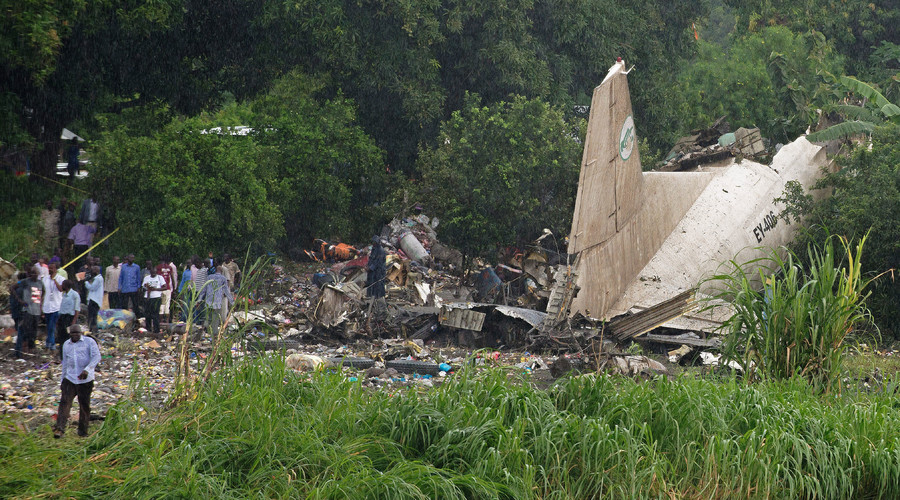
x,y
31,295
73,165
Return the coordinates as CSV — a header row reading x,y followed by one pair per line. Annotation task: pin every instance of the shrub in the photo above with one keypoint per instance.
x,y
794,319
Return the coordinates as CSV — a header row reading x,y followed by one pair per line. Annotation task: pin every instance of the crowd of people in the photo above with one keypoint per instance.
x,y
71,288
47,292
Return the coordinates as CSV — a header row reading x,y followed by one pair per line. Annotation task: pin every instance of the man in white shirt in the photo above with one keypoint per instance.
x,y
52,301
94,286
80,357
154,285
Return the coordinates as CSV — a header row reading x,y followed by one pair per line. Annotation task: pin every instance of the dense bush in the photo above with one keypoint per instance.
x,y
304,171
865,199
500,174
794,319
771,79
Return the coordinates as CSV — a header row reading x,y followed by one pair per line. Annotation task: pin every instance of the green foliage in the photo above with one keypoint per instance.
x,y
408,65
879,111
32,33
769,79
258,430
500,174
796,320
865,199
305,171
855,27
20,207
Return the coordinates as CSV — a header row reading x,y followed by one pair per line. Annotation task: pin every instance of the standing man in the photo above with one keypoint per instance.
x,y
153,285
129,284
231,271
218,298
53,290
198,273
90,213
15,305
174,277
81,236
111,283
94,286
68,313
164,269
31,294
80,357
73,165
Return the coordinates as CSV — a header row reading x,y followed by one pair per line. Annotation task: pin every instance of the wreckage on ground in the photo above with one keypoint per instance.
x,y
644,241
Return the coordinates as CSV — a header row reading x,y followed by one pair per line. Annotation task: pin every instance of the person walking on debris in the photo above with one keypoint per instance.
x,y
198,273
80,356
153,285
81,236
129,284
31,294
376,270
68,314
16,305
218,297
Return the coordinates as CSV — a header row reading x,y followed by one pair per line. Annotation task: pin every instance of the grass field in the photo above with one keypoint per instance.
x,y
257,431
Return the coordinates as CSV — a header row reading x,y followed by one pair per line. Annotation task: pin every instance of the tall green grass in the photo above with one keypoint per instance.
x,y
794,319
256,430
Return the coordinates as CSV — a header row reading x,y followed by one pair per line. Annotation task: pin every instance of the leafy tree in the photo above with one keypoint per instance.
x,y
65,60
866,198
408,65
875,110
769,79
306,170
854,27
500,174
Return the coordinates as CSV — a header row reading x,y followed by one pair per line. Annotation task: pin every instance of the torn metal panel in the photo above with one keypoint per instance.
x,y
530,316
465,319
448,314
631,326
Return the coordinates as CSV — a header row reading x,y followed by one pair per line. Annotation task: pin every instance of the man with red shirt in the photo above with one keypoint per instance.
x,y
165,270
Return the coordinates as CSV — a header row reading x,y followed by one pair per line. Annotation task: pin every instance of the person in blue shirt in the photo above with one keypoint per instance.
x,y
184,288
73,166
130,280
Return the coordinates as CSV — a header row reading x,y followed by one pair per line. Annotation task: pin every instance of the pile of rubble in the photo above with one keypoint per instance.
x,y
712,145
436,318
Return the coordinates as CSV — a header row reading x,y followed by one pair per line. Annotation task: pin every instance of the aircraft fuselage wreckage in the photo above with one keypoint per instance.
x,y
642,238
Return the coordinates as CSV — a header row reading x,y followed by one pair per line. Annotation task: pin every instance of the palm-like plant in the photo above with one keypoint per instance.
x,y
876,110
